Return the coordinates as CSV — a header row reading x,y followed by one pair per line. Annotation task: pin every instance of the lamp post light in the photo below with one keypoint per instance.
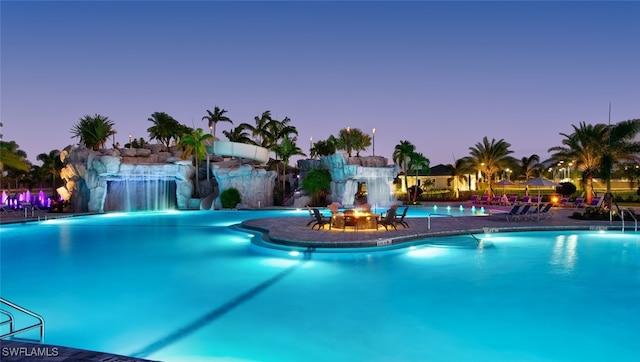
x,y
310,145
569,170
129,140
374,141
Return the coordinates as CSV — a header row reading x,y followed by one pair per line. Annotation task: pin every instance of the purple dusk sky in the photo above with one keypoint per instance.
x,y
441,75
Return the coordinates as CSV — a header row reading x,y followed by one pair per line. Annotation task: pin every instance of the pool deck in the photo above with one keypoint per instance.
x,y
295,232
13,351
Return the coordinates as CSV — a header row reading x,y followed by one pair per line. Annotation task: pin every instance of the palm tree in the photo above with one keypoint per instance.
x,y
51,165
621,146
401,156
529,166
322,148
279,130
12,157
584,147
238,134
215,117
285,150
195,144
418,162
93,131
261,129
489,157
164,128
359,141
458,174
348,140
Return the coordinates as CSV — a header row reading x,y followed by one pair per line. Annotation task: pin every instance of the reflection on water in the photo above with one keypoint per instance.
x,y
564,253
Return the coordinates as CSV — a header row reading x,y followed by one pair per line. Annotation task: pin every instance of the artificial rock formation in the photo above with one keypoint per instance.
x,y
254,184
348,172
87,174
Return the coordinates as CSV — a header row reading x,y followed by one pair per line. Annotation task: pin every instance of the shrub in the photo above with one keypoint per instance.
x,y
317,183
566,189
230,198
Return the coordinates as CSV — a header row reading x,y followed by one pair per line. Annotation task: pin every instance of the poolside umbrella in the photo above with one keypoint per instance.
x,y
504,183
539,182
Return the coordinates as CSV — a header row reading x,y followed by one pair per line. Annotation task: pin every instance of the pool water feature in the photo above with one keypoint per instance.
x,y
188,286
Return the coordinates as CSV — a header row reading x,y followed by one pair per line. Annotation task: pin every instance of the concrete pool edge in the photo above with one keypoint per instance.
x,y
17,351
293,232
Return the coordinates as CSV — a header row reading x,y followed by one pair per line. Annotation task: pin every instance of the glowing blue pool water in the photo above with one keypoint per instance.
x,y
188,287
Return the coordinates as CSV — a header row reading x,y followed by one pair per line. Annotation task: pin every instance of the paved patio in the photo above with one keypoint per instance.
x,y
294,232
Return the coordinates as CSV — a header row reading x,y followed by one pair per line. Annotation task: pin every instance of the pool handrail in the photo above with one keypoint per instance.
x,y
11,320
621,213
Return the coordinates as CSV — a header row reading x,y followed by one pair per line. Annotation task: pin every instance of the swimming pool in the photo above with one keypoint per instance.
x,y
186,287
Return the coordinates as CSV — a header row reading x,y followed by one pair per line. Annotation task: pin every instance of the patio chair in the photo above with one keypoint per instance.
x,y
311,215
389,219
320,220
400,218
334,207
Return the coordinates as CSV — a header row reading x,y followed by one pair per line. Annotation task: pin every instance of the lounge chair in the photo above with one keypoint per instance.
x,y
5,209
484,199
474,199
526,199
579,202
496,200
320,220
514,211
596,201
513,199
546,211
389,219
564,201
523,214
539,211
536,200
400,218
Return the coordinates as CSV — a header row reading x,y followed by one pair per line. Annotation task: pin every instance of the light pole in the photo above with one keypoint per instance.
x,y
374,141
569,170
129,140
349,141
310,145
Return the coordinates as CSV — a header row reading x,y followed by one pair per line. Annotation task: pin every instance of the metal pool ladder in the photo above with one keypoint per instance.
x,y
11,320
621,212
